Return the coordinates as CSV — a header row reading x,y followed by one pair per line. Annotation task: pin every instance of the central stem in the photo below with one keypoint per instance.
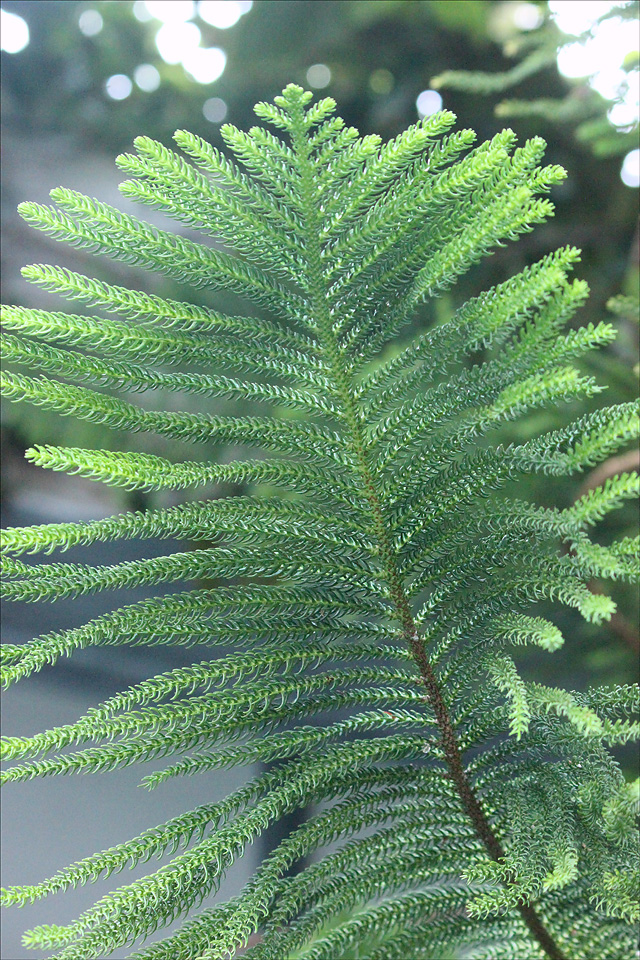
x,y
452,752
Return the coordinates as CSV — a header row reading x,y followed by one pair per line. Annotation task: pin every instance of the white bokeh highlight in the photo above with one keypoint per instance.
x,y
214,110
205,64
14,32
527,16
222,14
147,77
118,87
319,76
176,41
599,55
428,102
90,23
630,173
171,11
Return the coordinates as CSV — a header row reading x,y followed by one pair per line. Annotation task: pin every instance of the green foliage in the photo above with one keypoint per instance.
x,y
376,600
582,108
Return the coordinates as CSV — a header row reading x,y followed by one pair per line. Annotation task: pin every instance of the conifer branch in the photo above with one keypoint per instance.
x,y
383,584
448,738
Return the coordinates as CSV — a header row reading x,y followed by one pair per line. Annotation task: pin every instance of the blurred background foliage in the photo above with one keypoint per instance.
x,y
93,75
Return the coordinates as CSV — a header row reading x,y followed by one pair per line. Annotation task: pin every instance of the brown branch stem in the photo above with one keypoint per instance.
x,y
469,799
452,752
453,757
618,623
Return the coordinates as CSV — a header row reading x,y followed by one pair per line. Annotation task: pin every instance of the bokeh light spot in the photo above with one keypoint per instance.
x,y
214,110
90,23
527,16
118,86
428,102
319,76
630,173
381,82
147,77
623,115
601,53
140,12
574,61
171,11
205,65
576,18
176,42
220,13
14,32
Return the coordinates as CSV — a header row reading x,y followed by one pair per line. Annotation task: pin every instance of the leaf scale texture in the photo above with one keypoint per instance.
x,y
374,588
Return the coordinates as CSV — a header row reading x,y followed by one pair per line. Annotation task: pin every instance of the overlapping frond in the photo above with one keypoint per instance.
x,y
361,612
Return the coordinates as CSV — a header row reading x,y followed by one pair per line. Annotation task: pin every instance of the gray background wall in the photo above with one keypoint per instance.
x,y
47,824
